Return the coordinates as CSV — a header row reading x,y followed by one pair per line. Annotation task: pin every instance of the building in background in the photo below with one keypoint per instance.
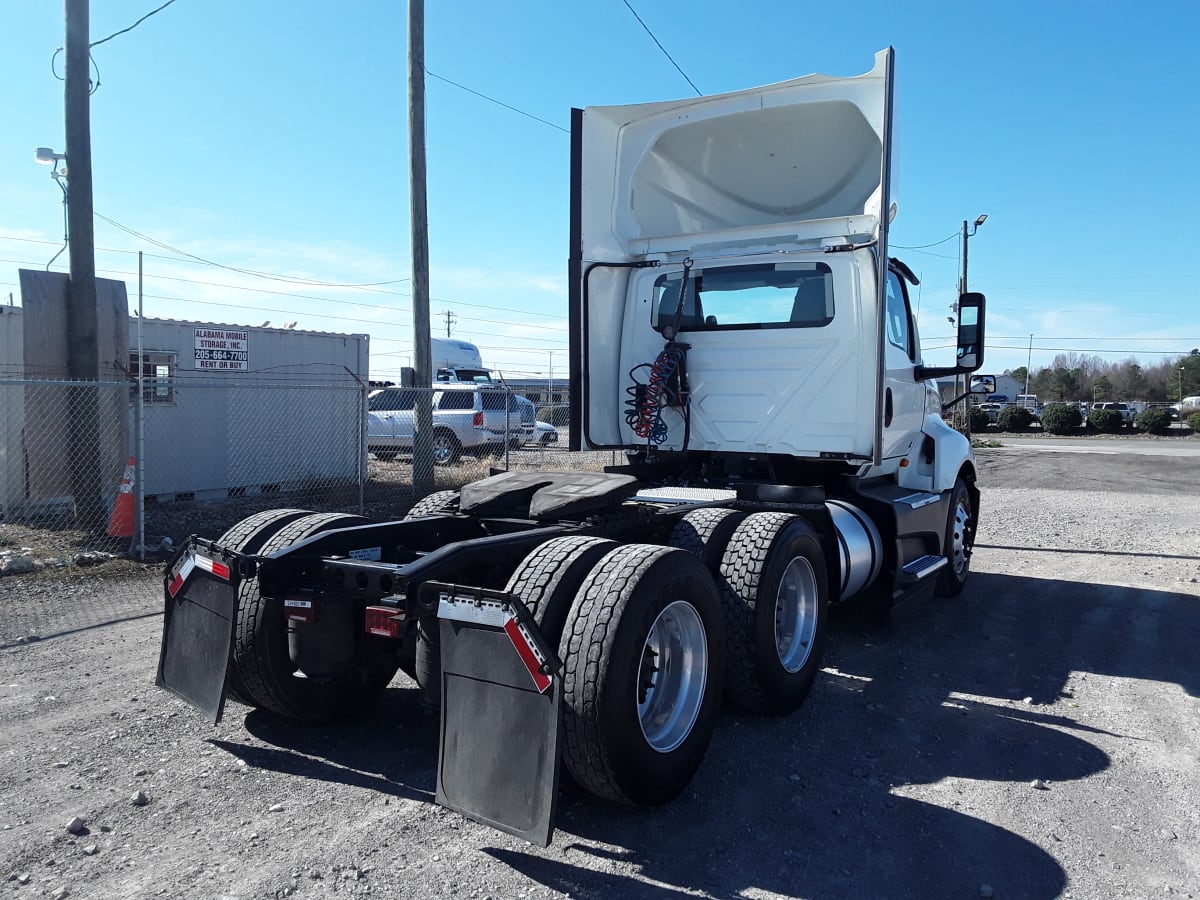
x,y
229,410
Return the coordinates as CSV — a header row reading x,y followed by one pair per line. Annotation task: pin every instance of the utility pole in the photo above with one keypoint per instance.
x,y
450,320
962,289
1028,363
83,349
423,432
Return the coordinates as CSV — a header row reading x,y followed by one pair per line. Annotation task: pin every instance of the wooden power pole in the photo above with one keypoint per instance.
x,y
83,349
423,432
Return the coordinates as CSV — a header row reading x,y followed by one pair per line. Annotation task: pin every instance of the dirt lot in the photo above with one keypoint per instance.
x,y
1038,737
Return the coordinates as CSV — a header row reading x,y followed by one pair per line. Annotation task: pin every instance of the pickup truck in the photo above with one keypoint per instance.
x,y
471,420
1124,409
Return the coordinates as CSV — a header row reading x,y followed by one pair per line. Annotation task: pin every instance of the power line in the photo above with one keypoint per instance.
x,y
234,287
528,115
286,278
133,26
663,49
923,246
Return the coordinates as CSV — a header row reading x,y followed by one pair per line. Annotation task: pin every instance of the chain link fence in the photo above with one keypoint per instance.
x,y
103,469
64,447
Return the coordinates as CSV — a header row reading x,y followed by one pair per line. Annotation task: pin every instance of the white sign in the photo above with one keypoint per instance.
x,y
220,350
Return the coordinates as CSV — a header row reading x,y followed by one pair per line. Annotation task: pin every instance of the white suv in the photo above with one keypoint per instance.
x,y
467,419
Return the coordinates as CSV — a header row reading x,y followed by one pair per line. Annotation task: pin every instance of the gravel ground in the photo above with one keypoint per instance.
x,y
1037,737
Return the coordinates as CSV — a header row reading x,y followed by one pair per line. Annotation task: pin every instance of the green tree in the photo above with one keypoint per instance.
x,y
1064,384
1103,389
1134,383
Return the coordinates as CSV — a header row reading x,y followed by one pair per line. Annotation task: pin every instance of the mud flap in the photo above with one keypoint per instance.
x,y
201,593
501,713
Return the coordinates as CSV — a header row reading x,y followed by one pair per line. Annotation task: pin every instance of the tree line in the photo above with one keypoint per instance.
x,y
1084,377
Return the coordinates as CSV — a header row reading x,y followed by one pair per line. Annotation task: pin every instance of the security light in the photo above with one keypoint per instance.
x,y
46,156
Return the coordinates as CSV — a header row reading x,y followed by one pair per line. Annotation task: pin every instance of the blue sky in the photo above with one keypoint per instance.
x,y
272,136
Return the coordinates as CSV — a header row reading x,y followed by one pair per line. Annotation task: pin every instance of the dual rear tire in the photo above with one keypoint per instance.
x,y
262,673
650,640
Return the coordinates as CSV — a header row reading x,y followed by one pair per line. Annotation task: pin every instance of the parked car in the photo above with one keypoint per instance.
x,y
546,433
992,410
1123,408
528,413
468,419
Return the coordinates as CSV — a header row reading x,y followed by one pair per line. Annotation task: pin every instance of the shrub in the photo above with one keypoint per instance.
x,y
1058,418
1194,422
1108,421
1014,418
979,420
1153,421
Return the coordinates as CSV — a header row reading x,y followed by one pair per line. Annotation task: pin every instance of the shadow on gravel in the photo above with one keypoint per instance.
x,y
820,804
392,749
815,804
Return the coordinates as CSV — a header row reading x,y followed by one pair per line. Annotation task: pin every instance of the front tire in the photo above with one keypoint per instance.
x,y
774,590
642,653
959,539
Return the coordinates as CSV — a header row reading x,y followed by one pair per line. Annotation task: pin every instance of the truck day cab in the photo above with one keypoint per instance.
x,y
740,332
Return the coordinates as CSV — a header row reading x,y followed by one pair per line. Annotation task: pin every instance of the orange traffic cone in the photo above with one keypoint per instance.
x,y
120,523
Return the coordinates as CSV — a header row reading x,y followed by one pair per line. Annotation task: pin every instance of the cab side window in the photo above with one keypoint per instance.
x,y
898,329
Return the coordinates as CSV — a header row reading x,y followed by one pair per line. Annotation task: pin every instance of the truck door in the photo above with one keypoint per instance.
x,y
904,395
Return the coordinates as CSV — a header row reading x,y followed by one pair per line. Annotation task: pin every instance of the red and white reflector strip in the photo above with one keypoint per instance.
x,y
492,614
530,655
194,561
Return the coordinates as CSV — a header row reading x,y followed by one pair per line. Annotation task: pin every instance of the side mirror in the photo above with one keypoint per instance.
x,y
983,384
970,341
970,332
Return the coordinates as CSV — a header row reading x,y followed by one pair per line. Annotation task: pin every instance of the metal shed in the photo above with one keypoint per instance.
x,y
233,410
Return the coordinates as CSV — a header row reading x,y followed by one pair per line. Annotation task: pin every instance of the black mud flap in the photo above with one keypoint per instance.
x,y
501,713
201,592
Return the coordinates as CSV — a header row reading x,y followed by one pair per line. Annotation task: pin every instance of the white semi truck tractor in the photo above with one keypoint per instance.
x,y
741,334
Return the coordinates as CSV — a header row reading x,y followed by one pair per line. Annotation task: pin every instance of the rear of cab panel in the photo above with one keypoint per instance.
x,y
764,181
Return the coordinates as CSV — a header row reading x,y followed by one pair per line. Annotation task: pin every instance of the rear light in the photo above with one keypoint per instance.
x,y
384,621
477,420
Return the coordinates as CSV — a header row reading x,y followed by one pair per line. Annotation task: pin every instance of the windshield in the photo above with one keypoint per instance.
x,y
768,295
478,376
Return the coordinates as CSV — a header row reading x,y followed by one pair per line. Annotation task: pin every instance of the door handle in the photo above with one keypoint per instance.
x,y
887,408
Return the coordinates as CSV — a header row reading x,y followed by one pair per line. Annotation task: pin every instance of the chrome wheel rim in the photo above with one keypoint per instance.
x,y
796,614
958,538
671,676
443,448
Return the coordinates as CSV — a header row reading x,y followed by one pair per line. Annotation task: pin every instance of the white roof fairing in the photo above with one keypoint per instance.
x,y
797,160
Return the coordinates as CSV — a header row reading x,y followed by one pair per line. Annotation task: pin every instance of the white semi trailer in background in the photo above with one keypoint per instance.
x,y
740,332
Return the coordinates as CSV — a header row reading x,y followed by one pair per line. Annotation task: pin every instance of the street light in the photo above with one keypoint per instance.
x,y
1181,386
962,287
